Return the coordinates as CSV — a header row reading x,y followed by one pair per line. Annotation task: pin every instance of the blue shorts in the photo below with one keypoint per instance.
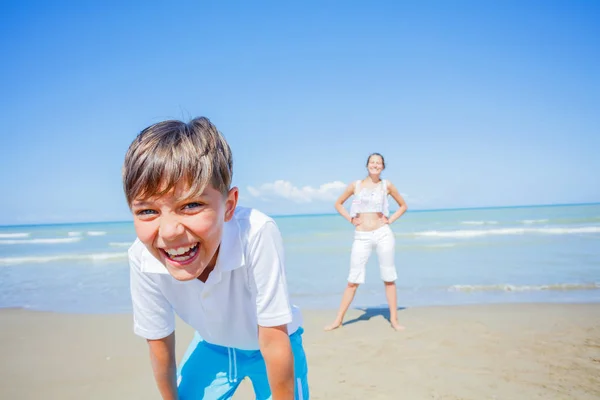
x,y
211,372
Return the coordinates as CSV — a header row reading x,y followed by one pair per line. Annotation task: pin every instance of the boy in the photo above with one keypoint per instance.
x,y
218,267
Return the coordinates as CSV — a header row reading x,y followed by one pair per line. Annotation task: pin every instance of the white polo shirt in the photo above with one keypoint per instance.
x,y
247,288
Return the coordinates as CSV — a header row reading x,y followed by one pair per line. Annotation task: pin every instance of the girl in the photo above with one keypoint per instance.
x,y
369,214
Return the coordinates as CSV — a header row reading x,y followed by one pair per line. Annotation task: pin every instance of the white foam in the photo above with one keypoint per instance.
x,y
479,222
96,233
523,288
533,221
13,235
74,234
63,257
560,231
508,231
41,241
120,244
444,245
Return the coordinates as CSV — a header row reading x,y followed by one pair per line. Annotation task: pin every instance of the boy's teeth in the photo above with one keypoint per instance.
x,y
183,258
179,251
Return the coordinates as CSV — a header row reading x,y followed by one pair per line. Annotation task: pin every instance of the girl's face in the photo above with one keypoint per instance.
x,y
375,165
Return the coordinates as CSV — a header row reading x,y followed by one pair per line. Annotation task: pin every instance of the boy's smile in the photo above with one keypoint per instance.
x,y
182,254
184,232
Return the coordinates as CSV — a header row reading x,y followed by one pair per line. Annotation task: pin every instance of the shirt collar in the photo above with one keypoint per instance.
x,y
231,254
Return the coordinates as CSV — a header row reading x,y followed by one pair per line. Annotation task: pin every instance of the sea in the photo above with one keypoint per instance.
x,y
547,254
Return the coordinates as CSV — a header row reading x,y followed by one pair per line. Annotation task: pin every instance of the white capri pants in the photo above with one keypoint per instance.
x,y
383,241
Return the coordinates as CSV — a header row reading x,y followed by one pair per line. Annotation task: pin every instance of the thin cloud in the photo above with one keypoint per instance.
x,y
306,194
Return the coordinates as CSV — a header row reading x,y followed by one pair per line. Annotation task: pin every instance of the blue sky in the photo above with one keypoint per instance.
x,y
473,103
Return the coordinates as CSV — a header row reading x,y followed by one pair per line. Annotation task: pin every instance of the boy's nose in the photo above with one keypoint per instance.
x,y
170,227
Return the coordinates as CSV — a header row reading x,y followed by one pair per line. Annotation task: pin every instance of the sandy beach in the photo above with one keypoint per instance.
x,y
509,351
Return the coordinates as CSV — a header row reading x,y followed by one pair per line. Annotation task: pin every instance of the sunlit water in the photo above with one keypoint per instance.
x,y
499,255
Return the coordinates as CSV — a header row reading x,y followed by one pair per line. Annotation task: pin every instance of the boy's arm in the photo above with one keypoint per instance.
x,y
273,310
154,320
162,357
276,349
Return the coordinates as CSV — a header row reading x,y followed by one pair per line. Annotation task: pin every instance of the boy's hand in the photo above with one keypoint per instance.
x,y
276,349
162,357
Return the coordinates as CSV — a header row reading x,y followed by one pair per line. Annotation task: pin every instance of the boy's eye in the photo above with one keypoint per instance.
x,y
145,212
192,206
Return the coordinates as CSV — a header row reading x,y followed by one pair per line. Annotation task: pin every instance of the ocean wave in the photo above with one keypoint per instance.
x,y
508,231
479,222
523,288
441,245
424,247
533,221
63,257
120,244
41,241
96,233
13,235
74,234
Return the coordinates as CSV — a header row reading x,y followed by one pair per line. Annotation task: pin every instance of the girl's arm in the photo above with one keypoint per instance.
x,y
276,349
396,196
339,203
162,357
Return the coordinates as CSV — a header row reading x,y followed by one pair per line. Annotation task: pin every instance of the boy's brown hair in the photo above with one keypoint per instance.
x,y
170,152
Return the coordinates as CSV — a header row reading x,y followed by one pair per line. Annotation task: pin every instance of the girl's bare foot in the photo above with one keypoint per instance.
x,y
397,326
334,325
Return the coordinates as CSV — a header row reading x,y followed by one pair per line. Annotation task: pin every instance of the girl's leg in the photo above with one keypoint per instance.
x,y
361,251
390,294
386,247
347,298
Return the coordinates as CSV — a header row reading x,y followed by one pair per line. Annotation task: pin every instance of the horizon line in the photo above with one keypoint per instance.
x,y
329,214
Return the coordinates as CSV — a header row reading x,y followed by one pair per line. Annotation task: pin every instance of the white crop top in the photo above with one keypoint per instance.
x,y
370,200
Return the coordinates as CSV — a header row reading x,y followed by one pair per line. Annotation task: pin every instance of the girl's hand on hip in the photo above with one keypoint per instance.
x,y
355,221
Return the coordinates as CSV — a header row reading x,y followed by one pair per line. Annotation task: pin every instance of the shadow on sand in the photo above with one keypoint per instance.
x,y
370,312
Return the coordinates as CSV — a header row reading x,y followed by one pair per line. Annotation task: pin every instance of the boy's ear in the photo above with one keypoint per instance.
x,y
231,203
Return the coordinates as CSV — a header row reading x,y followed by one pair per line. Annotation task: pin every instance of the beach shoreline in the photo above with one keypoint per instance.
x,y
501,351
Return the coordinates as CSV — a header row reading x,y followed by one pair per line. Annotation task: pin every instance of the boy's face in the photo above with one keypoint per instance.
x,y
184,234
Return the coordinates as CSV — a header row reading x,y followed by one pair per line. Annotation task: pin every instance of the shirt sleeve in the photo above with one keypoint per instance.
x,y
153,316
267,277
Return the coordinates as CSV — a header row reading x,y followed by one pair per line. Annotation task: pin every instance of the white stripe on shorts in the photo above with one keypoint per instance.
x,y
299,385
